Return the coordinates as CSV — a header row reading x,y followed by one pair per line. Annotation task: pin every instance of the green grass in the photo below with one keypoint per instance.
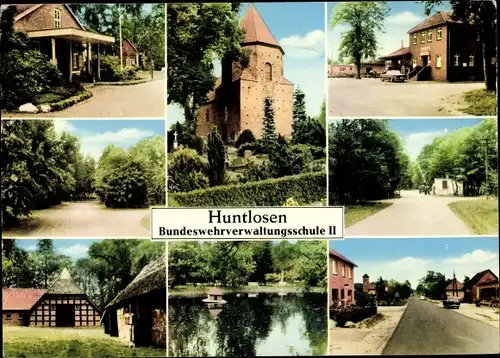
x,y
481,216
69,342
480,103
356,213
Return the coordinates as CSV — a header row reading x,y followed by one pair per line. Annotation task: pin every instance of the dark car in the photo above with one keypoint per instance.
x,y
451,302
393,76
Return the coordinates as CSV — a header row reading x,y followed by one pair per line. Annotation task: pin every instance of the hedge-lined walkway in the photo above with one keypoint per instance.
x,y
81,219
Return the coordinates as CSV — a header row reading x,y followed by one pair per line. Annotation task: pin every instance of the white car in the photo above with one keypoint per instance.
x,y
422,297
393,76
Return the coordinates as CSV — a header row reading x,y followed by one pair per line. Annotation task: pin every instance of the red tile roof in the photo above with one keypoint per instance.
x,y
371,286
439,18
403,51
458,286
256,29
341,257
21,299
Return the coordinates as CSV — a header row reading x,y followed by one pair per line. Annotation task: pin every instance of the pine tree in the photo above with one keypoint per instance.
x,y
216,153
269,139
299,114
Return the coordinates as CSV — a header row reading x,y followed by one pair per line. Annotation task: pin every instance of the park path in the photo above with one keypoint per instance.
x,y
83,219
145,100
413,214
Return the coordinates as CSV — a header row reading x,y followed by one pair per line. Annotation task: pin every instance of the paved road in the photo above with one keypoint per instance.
x,y
83,219
146,100
413,214
427,328
348,97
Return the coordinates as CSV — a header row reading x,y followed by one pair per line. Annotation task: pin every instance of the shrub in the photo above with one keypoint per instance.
x,y
288,160
256,172
354,314
305,188
272,277
317,165
129,73
216,152
255,147
186,171
291,202
317,152
245,137
110,69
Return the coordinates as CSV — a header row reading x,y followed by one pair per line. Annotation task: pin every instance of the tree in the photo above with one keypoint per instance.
x,y
269,136
194,39
433,284
283,256
263,260
364,19
481,15
299,113
186,171
216,152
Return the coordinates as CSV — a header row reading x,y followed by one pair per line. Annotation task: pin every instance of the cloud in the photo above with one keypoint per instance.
x,y
413,268
414,142
312,45
62,125
403,18
75,251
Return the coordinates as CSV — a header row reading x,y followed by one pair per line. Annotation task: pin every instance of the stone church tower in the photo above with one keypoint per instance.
x,y
243,107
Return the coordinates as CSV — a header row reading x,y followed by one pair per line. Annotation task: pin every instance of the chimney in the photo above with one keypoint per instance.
x,y
366,283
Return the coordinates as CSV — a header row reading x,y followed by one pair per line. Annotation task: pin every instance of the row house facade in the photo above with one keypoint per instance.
x,y
341,279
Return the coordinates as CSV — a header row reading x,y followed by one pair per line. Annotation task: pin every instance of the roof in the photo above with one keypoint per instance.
x,y
458,285
131,44
151,278
214,291
439,18
341,257
403,51
20,299
25,9
477,277
64,284
256,30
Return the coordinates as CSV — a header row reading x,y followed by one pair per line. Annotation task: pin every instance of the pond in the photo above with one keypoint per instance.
x,y
249,325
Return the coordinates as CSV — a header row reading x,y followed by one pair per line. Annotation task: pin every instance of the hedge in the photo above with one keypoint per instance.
x,y
305,188
351,314
65,103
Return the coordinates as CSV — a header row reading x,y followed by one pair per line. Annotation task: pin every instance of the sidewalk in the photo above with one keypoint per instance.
x,y
484,314
367,337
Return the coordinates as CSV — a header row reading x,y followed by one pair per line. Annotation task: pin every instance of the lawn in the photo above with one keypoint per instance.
x,y
481,215
69,342
480,103
356,213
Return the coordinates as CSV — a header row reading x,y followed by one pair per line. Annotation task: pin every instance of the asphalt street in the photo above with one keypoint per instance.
x,y
427,328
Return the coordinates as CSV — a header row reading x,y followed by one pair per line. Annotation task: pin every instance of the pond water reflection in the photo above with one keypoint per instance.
x,y
268,324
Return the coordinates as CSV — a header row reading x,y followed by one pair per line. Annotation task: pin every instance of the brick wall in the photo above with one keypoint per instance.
x,y
13,318
340,281
435,48
463,40
43,19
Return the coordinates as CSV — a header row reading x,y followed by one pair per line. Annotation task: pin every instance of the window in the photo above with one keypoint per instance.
x,y
456,63
78,307
76,60
445,184
439,34
268,71
439,62
414,62
207,116
471,61
52,307
415,40
422,38
8,316
349,272
343,270
334,267
57,19
429,36
20,316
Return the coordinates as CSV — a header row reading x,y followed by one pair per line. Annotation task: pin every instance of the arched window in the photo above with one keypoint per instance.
x,y
268,71
208,115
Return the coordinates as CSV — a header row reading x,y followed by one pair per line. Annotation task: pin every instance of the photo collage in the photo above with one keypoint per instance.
x,y
386,110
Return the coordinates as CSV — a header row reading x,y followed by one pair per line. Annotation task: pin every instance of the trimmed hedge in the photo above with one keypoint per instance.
x,y
351,314
68,102
305,188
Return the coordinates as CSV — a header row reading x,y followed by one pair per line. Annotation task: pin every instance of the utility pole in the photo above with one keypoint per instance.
x,y
121,42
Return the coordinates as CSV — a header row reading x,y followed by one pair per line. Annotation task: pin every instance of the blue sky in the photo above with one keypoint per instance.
x,y
295,26
402,17
95,135
75,248
409,259
416,133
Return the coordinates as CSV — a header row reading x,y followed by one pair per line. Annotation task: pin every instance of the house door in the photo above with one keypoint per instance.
x,y
65,316
425,60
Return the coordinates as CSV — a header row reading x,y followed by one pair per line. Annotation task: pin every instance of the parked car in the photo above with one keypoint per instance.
x,y
393,76
451,302
422,297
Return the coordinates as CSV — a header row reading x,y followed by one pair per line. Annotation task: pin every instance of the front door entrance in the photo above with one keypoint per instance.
x,y
65,315
425,60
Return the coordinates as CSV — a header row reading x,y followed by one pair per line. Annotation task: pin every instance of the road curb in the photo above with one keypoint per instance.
x,y
381,347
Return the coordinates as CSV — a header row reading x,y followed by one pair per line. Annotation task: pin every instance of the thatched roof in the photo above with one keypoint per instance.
x,y
64,284
152,277
214,292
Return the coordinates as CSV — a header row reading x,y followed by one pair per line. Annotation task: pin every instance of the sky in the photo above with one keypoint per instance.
x,y
74,248
95,135
410,259
402,17
416,133
295,26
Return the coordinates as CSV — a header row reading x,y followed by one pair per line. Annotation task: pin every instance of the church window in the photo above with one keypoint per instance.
x,y
268,72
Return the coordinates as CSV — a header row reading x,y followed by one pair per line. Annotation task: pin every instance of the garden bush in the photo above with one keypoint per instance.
x,y
186,171
110,69
129,73
289,160
305,188
245,137
342,315
273,277
317,152
255,147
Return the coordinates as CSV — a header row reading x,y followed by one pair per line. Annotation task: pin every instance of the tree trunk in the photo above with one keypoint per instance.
x,y
190,117
489,52
358,68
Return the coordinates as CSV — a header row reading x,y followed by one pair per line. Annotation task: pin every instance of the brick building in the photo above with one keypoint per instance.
x,y
243,107
443,49
138,313
483,286
455,289
351,71
369,287
63,304
341,279
130,54
56,32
